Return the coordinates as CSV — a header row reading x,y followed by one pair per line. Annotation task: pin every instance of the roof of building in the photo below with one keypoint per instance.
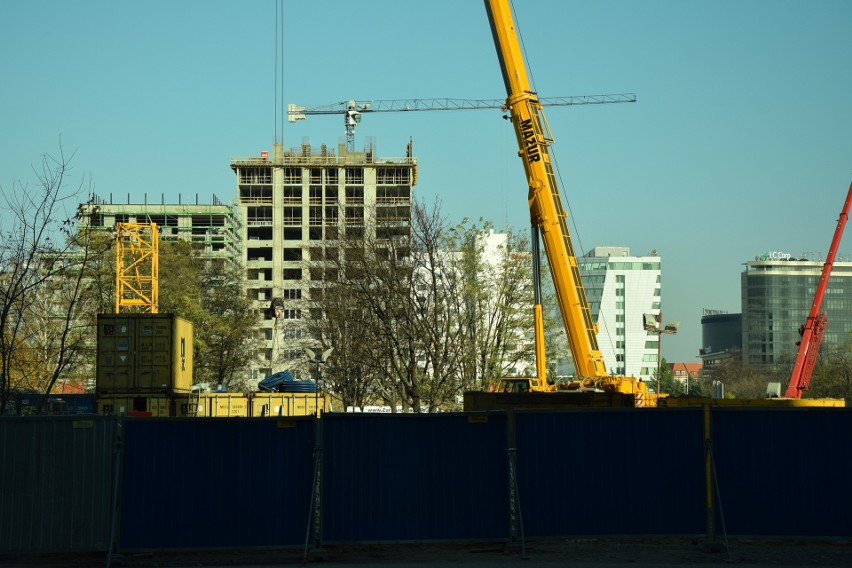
x,y
689,368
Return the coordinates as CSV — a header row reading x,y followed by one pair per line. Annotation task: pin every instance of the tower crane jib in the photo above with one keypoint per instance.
x,y
352,109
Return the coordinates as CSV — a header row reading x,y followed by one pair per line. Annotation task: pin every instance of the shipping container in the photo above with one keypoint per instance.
x,y
222,404
27,404
144,353
135,405
289,404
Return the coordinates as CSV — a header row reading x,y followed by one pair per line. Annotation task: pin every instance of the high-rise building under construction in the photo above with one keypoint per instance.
x,y
297,206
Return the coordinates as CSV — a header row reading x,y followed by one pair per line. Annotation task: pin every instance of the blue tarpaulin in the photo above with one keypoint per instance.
x,y
284,382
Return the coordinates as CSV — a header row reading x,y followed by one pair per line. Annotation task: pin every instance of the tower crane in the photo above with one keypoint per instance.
x,y
352,109
137,249
814,326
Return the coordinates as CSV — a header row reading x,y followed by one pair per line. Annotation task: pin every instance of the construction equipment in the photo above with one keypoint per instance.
x,y
137,247
352,110
814,326
548,219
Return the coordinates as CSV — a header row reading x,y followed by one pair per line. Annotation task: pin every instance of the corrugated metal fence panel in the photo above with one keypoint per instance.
x,y
623,471
414,477
207,482
56,483
784,471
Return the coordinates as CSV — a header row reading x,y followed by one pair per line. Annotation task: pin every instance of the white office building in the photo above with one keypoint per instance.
x,y
620,290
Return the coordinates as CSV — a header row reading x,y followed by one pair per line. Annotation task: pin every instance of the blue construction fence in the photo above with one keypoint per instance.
x,y
193,483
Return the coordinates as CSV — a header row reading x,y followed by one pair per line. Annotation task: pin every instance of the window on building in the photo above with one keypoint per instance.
x,y
292,253
262,253
259,233
354,175
292,233
255,175
259,216
392,175
292,294
292,194
354,195
292,274
291,333
292,175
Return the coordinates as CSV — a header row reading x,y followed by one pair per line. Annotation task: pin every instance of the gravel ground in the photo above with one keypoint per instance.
x,y
586,552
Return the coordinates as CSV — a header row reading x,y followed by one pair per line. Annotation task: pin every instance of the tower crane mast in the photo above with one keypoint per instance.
x,y
352,109
137,250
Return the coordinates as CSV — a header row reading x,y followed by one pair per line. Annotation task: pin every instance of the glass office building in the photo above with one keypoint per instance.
x,y
777,295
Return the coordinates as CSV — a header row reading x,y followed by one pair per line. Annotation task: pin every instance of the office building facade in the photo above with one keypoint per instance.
x,y
721,337
777,295
620,289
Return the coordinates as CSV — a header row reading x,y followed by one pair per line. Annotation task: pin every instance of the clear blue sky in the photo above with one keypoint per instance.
x,y
740,142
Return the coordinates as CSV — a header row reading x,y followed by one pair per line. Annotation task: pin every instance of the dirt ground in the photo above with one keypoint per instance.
x,y
651,552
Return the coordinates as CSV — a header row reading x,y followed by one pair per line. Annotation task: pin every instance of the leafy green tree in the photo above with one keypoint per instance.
x,y
180,282
740,379
210,293
667,381
225,337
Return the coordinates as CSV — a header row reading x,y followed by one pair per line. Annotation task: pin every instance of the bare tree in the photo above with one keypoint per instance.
x,y
832,376
42,279
437,309
389,307
341,321
496,311
418,318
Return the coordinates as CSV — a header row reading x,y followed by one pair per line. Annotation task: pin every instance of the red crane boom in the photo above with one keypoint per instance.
x,y
815,324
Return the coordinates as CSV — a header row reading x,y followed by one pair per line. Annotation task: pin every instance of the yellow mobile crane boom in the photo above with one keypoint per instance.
x,y
547,215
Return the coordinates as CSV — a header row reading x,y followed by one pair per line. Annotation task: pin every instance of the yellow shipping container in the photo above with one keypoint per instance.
x,y
138,353
222,405
289,403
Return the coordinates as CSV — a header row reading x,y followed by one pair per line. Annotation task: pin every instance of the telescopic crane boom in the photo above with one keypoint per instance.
x,y
547,215
814,326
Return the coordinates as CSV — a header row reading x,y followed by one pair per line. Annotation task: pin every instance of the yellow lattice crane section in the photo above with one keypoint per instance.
x,y
137,249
